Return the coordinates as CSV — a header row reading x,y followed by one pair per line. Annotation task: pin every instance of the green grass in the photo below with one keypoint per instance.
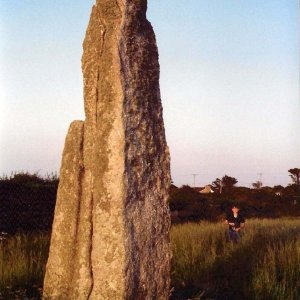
x,y
22,265
265,265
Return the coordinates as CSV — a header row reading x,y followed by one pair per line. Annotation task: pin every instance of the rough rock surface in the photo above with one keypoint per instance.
x,y
110,237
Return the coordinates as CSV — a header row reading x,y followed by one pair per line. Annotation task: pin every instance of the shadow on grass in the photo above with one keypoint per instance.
x,y
230,277
226,279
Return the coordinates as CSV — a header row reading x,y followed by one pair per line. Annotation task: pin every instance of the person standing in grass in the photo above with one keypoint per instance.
x,y
236,222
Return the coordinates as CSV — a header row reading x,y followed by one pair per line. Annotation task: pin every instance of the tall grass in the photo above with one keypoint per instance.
x,y
22,264
264,265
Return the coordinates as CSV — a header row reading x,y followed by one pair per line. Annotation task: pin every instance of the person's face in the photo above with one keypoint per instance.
x,y
235,210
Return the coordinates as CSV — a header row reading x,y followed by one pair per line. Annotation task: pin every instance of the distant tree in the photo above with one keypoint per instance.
x,y
225,182
229,181
217,185
257,185
295,175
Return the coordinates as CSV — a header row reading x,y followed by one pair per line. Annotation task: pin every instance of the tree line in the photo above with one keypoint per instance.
x,y
27,201
228,182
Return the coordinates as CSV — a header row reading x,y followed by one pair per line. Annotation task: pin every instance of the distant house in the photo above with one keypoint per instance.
x,y
278,190
207,190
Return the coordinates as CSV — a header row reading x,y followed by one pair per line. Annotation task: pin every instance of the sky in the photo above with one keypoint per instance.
x,y
229,85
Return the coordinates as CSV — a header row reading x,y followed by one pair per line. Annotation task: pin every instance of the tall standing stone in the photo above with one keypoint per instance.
x,y
110,236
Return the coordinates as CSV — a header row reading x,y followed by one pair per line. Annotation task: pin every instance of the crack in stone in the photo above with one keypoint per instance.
x,y
91,244
97,97
102,31
80,180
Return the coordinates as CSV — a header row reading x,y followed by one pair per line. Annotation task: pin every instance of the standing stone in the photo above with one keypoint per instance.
x,y
110,236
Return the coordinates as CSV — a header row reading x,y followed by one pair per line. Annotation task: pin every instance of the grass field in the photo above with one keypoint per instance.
x,y
265,265
22,265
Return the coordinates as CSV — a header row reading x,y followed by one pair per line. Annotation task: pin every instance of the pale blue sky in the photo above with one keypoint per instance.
x,y
229,85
